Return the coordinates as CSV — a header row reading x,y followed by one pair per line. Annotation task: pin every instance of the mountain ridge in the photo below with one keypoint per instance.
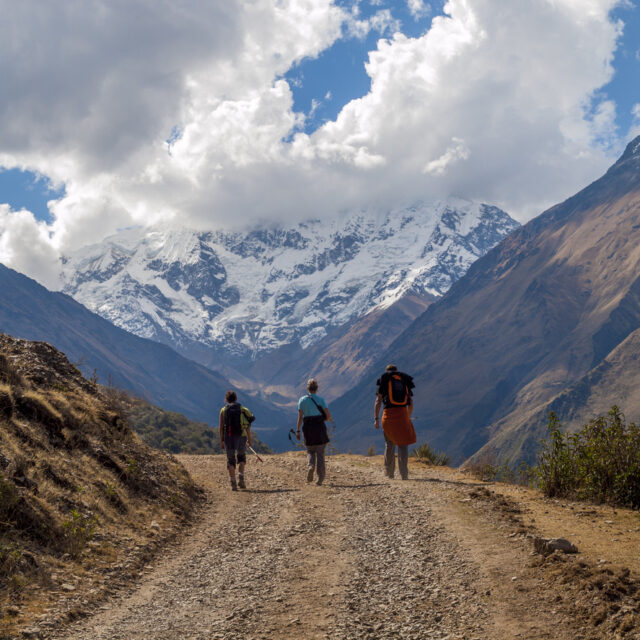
x,y
524,322
149,369
240,296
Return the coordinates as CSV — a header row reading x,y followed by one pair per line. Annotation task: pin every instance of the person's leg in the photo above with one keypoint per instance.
x,y
403,462
242,460
311,462
320,464
389,457
231,467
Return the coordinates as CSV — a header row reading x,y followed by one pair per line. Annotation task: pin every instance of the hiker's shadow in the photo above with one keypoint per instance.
x,y
332,485
270,490
458,483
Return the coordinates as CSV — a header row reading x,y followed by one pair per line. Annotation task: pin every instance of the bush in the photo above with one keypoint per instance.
x,y
8,498
78,530
371,451
427,454
601,462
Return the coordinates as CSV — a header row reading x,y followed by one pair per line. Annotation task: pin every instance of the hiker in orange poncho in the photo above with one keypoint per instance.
x,y
394,391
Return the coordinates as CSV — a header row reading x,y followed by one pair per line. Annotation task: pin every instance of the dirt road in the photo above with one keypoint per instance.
x,y
360,557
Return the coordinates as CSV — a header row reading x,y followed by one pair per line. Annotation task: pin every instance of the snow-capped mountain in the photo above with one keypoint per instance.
x,y
248,293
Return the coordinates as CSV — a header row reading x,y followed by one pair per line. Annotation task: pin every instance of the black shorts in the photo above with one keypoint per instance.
x,y
235,445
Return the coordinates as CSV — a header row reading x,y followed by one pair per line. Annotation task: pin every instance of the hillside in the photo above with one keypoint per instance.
x,y
171,431
537,323
81,496
148,369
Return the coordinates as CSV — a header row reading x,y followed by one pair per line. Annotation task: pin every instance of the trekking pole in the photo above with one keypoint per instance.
x,y
254,452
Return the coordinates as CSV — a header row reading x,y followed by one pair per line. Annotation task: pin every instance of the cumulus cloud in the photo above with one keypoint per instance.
x,y
26,247
418,8
498,101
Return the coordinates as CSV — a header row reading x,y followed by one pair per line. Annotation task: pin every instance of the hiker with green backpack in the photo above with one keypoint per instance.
x,y
235,436
312,414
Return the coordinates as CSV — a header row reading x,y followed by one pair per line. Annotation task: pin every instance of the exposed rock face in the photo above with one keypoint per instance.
x,y
536,324
247,294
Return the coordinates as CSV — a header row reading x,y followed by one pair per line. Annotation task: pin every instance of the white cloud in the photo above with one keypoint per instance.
x,y
381,21
25,246
419,8
635,126
458,151
497,101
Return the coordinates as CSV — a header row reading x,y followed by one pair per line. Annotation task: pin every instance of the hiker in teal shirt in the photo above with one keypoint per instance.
x,y
312,413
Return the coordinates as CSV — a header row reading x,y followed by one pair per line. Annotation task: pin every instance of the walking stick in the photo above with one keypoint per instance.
x,y
254,452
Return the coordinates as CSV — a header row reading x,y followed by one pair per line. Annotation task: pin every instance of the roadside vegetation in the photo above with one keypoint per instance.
x,y
600,463
426,454
168,430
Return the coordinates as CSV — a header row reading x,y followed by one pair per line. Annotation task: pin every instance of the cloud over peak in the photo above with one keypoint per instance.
x,y
497,101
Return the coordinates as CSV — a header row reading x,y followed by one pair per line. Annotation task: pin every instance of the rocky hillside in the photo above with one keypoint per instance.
x,y
241,295
546,320
81,497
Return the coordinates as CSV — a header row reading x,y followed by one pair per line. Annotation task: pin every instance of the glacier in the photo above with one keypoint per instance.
x,y
245,294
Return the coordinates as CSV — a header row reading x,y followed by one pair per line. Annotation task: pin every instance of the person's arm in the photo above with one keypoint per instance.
x,y
249,417
221,427
328,414
376,411
410,405
299,423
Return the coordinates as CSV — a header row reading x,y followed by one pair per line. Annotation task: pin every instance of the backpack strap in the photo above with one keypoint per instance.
x,y
320,409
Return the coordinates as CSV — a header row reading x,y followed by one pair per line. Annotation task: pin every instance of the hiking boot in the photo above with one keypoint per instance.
x,y
319,483
241,483
234,486
310,475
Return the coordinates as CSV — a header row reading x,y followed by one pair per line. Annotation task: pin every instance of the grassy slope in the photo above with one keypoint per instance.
x,y
79,491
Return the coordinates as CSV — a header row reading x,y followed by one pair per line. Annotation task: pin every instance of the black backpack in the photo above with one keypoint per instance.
x,y
232,423
395,389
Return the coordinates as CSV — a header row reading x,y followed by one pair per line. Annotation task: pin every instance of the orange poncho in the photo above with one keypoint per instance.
x,y
398,427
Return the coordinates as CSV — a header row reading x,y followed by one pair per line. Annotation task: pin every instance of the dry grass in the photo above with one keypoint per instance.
x,y
78,489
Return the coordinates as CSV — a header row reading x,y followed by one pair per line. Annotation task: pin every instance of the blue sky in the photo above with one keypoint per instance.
x,y
273,117
625,86
338,74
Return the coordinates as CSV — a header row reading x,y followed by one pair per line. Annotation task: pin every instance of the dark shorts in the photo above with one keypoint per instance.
x,y
236,447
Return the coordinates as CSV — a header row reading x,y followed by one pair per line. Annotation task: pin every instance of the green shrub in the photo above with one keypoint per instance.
x,y
601,462
10,558
427,454
8,498
78,530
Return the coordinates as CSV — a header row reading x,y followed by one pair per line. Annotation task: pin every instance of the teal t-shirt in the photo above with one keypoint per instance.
x,y
305,404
